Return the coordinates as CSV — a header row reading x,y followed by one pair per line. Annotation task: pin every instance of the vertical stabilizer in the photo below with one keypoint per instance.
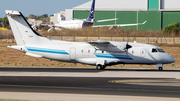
x,y
23,33
91,14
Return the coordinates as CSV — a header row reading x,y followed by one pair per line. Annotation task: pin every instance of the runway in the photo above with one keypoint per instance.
x,y
115,82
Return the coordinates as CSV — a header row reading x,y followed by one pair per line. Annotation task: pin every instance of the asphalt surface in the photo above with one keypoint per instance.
x,y
86,70
88,85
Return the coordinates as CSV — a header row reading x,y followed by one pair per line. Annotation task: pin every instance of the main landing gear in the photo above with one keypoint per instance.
x,y
100,67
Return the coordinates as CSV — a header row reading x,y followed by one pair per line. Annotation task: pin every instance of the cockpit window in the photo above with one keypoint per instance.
x,y
157,50
161,50
154,50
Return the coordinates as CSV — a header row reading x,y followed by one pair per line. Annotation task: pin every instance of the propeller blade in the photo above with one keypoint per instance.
x,y
128,46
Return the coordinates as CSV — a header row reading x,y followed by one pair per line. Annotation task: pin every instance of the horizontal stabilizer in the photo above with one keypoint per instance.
x,y
11,13
19,48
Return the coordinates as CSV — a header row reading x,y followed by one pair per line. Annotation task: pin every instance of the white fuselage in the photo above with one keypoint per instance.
x,y
85,53
71,24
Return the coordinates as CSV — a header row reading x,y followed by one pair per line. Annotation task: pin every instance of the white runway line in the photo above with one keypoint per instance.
x,y
78,97
126,74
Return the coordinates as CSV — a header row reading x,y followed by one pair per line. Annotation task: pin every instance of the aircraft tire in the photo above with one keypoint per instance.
x,y
160,68
98,67
103,67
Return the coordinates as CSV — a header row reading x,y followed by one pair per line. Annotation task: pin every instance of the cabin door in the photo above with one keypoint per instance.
x,y
72,54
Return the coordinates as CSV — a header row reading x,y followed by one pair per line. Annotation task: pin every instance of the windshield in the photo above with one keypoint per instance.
x,y
154,50
161,50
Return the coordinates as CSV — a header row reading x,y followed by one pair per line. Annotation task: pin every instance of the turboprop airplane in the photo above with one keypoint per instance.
x,y
98,53
89,22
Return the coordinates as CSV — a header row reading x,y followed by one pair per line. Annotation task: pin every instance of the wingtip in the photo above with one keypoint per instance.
x,y
144,22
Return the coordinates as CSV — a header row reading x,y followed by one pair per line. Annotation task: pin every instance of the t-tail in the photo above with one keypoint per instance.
x,y
91,14
23,33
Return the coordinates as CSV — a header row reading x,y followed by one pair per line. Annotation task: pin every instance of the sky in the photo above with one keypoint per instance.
x,y
38,7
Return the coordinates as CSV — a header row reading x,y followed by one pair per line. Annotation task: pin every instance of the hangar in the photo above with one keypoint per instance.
x,y
158,13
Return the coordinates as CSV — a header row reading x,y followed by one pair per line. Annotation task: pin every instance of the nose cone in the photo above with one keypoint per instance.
x,y
168,59
171,60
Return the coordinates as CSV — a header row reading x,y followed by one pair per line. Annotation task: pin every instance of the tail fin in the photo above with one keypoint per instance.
x,y
91,14
23,33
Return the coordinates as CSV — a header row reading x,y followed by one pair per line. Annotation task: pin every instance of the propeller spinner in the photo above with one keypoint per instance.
x,y
128,46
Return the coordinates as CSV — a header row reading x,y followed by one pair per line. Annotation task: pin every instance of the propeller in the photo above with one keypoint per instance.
x,y
127,47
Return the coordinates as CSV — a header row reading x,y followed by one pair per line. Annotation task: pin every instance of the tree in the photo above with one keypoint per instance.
x,y
44,16
172,28
32,16
5,22
0,22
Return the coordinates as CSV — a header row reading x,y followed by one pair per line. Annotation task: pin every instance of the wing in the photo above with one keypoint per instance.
x,y
106,20
85,20
121,25
109,46
100,45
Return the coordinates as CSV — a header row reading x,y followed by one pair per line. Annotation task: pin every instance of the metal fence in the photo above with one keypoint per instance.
x,y
148,40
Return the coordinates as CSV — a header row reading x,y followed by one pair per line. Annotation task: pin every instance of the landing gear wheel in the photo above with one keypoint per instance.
x,y
160,68
103,67
98,67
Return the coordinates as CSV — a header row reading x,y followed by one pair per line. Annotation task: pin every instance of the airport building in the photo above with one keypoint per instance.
x,y
158,13
60,16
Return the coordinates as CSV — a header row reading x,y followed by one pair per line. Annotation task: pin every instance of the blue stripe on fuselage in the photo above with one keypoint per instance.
x,y
46,50
113,56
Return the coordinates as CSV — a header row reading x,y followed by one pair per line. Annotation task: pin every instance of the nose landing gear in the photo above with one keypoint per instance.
x,y
160,67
